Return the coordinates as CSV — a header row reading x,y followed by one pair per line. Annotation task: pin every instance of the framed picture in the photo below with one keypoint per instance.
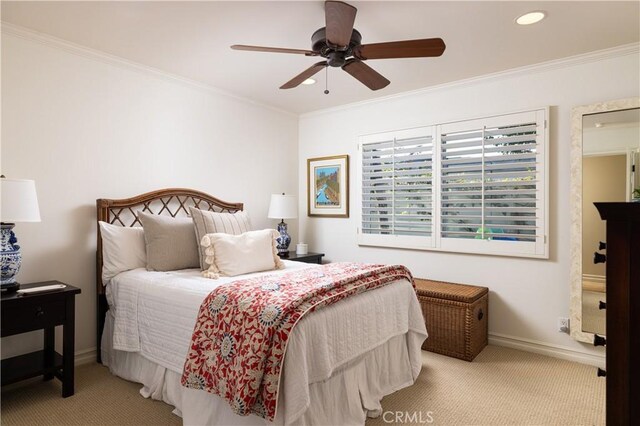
x,y
328,186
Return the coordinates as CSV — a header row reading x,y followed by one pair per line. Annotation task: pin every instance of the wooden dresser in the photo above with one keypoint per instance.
x,y
623,311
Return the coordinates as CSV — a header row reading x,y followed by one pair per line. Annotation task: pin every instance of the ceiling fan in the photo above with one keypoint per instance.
x,y
340,44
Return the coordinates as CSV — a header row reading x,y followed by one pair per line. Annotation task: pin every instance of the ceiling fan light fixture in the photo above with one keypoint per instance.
x,y
340,45
531,17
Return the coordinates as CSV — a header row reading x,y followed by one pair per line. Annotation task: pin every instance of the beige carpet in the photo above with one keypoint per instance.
x,y
501,387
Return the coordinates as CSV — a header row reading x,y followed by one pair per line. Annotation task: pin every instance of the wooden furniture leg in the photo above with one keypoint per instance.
x,y
68,349
49,352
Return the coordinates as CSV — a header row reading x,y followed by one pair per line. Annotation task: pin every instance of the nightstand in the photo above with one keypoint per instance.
x,y
35,311
306,258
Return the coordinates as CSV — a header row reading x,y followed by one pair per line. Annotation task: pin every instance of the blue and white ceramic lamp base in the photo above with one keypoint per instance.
x,y
283,240
10,255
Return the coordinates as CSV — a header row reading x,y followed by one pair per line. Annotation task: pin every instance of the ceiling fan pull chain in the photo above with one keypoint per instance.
x,y
341,45
326,80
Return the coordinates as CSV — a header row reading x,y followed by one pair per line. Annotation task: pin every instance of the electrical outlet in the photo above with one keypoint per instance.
x,y
563,325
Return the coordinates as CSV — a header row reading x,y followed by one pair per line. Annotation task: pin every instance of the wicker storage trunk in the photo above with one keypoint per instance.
x,y
456,317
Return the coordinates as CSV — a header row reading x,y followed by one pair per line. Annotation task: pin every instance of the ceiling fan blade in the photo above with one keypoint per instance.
x,y
274,49
295,81
401,49
365,74
339,19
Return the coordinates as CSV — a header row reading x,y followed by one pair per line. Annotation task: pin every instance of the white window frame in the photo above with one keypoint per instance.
x,y
537,249
404,241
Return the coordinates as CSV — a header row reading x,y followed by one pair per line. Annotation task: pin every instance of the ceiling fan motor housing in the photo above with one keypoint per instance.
x,y
336,55
340,45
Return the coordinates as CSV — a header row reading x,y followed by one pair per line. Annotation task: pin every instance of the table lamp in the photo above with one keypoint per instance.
x,y
19,204
283,207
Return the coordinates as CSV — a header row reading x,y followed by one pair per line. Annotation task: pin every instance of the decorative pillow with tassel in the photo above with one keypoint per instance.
x,y
206,222
231,255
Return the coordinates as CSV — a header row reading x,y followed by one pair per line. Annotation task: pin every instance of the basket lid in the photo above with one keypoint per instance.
x,y
449,291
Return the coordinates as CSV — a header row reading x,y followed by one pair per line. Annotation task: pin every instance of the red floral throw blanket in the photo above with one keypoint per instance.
x,y
242,329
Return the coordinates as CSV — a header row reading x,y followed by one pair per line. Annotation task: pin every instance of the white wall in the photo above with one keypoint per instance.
x,y
526,296
84,128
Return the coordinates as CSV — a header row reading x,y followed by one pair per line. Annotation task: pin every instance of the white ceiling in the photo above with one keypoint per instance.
x,y
192,39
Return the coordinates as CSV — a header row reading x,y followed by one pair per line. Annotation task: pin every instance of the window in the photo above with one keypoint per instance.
x,y
475,186
397,188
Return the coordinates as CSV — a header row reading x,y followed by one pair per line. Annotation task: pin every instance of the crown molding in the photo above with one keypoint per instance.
x,y
598,55
55,42
86,52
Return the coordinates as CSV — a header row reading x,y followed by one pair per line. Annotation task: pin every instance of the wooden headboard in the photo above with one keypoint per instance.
x,y
172,202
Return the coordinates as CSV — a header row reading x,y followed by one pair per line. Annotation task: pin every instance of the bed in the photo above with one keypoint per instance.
x,y
340,360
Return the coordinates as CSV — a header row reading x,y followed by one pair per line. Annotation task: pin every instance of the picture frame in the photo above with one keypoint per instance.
x,y
328,186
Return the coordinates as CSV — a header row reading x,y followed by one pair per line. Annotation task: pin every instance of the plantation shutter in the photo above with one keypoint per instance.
x,y
474,186
397,188
492,183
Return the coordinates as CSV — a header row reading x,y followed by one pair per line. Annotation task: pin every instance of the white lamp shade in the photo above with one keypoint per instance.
x,y
19,201
283,207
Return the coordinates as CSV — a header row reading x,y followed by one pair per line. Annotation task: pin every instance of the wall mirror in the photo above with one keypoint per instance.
x,y
605,167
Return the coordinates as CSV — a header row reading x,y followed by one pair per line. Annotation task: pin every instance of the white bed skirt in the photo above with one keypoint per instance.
x,y
349,396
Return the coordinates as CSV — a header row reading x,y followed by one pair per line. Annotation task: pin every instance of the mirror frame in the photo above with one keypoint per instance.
x,y
577,113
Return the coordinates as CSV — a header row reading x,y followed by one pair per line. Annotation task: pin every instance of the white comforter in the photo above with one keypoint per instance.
x,y
155,313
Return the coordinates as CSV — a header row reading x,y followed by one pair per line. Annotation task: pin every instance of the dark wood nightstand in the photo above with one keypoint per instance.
x,y
306,258
35,311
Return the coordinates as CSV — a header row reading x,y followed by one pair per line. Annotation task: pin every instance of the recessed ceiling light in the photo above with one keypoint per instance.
x,y
309,81
531,17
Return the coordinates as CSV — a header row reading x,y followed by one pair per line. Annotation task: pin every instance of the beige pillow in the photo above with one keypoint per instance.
x,y
207,222
123,249
230,255
171,242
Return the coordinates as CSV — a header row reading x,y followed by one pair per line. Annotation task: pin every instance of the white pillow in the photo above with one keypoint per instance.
x,y
123,249
230,255
207,222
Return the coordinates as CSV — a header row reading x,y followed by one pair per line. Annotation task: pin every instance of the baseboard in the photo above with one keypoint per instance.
x,y
595,283
85,356
555,351
594,278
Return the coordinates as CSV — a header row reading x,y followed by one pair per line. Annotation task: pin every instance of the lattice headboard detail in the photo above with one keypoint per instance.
x,y
168,204
172,202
